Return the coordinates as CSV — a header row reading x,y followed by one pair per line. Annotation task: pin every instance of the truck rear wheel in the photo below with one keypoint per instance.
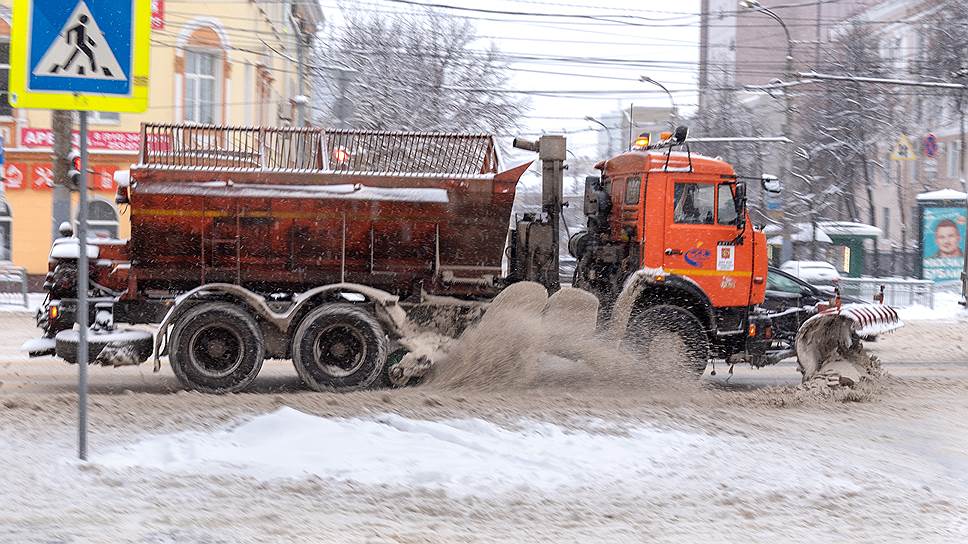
x,y
339,347
665,320
216,347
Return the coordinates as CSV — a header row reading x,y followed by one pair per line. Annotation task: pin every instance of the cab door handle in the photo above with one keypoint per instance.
x,y
670,251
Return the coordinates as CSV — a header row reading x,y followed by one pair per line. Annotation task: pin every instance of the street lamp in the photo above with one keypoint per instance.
x,y
608,133
672,114
786,252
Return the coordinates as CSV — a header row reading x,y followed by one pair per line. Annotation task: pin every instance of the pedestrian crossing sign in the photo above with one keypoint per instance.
x,y
80,54
903,150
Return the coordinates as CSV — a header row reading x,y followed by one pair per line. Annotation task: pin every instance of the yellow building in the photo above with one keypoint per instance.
x,y
212,61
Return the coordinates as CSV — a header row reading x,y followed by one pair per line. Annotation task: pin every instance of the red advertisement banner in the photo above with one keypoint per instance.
x,y
157,14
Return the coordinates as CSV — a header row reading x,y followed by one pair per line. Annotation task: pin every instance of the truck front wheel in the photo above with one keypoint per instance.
x,y
216,347
339,347
648,327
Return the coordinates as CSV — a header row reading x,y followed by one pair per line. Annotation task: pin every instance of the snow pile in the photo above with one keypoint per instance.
x,y
946,308
14,302
474,457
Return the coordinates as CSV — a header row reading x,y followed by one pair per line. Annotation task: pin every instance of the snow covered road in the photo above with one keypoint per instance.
x,y
737,461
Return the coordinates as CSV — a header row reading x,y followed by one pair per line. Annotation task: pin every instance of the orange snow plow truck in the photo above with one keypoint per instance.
x,y
336,248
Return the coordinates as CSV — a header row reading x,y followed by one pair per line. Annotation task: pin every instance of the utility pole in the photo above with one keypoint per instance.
x,y
786,252
900,202
62,123
960,101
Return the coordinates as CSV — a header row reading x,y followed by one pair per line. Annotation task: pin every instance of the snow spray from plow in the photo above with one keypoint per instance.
x,y
527,338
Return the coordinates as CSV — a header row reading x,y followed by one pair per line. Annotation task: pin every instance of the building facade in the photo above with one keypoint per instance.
x,y
221,62
743,47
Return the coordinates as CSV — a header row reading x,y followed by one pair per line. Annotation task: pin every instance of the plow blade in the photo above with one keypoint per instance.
x,y
869,319
829,343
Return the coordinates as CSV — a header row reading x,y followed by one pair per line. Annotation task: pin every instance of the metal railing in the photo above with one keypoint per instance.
x,y
430,152
12,275
301,148
232,147
898,292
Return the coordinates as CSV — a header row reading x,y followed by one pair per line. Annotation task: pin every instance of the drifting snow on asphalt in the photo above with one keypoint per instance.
x,y
476,457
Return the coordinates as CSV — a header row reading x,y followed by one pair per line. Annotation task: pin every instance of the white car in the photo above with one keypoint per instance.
x,y
812,272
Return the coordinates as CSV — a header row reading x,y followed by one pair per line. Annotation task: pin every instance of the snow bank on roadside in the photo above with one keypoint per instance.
x,y
474,457
13,302
946,308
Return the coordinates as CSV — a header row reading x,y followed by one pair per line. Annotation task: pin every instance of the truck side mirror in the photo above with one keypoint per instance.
x,y
771,184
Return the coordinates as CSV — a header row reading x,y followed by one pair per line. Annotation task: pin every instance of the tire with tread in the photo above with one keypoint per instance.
x,y
216,347
339,347
646,324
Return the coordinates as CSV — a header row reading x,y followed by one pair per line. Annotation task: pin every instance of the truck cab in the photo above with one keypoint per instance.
x,y
676,223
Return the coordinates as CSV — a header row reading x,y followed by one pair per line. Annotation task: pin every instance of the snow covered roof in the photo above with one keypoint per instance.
x,y
848,228
943,194
802,232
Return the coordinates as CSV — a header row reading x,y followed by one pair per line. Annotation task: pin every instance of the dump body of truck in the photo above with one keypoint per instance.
x,y
282,210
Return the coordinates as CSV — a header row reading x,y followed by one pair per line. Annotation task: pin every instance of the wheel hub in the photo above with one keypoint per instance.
x,y
216,350
339,350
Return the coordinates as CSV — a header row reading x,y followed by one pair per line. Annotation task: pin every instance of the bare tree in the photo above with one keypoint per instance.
x,y
413,71
842,125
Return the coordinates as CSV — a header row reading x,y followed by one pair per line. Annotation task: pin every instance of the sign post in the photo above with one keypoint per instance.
x,y
902,152
80,55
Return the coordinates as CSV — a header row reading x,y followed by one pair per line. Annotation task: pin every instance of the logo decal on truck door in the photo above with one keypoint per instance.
x,y
725,258
697,256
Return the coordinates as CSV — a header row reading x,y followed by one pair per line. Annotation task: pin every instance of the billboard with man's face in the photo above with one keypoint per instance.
x,y
943,243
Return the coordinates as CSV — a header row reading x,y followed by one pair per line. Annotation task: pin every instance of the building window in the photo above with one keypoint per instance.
x,y
5,109
101,118
887,223
201,86
954,158
104,117
102,219
6,232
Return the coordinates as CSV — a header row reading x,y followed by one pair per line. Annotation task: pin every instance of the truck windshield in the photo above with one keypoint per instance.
x,y
694,203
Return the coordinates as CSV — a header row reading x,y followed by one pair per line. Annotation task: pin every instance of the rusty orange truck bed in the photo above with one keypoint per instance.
x,y
284,209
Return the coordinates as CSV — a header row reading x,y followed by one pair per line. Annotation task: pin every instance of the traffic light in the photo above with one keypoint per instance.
x,y
74,177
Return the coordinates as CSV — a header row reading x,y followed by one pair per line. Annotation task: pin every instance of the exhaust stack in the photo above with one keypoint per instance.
x,y
535,239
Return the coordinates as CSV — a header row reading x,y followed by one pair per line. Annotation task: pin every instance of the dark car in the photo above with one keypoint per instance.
x,y
792,301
